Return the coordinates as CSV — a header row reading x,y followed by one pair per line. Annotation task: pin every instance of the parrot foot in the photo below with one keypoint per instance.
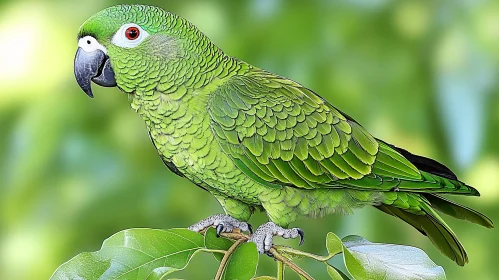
x,y
222,223
264,234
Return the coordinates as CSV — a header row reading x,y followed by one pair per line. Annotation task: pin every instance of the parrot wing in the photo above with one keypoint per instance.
x,y
281,133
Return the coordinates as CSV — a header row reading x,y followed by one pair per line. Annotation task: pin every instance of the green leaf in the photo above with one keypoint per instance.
x,y
242,263
333,244
335,273
135,254
355,267
211,241
367,260
83,266
264,278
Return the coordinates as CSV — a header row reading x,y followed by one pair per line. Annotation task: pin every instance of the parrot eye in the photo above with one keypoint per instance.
x,y
132,33
129,35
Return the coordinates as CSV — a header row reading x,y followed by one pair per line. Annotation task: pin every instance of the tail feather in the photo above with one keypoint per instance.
x,y
431,225
458,211
427,221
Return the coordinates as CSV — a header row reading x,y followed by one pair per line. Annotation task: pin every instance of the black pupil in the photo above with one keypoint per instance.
x,y
133,33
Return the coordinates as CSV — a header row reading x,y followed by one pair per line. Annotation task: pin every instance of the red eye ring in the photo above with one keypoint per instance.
x,y
132,33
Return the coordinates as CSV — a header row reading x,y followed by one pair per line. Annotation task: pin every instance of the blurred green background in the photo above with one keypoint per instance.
x,y
73,171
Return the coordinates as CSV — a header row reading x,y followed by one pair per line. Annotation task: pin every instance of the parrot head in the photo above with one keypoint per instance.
x,y
128,46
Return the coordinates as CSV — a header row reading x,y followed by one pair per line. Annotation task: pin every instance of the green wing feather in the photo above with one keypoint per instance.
x,y
280,133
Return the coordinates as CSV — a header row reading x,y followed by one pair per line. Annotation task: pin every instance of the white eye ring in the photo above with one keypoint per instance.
x,y
120,39
89,44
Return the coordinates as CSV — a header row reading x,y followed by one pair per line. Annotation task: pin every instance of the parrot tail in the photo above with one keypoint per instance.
x,y
425,219
429,223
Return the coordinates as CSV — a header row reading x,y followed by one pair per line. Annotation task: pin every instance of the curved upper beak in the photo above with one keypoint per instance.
x,y
93,66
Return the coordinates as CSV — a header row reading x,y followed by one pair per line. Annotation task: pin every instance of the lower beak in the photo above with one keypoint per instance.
x,y
93,66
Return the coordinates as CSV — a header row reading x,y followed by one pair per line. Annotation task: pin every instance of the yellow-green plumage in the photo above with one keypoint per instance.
x,y
256,140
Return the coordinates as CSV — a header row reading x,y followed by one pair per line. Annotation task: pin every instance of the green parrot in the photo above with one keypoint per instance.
x,y
256,140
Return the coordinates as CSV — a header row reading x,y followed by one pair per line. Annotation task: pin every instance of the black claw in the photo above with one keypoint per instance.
x,y
220,229
302,236
269,254
250,229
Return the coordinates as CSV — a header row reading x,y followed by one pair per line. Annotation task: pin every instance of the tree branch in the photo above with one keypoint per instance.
x,y
226,257
292,251
291,265
212,251
241,237
280,270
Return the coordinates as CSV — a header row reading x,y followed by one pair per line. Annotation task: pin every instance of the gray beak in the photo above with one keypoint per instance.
x,y
93,66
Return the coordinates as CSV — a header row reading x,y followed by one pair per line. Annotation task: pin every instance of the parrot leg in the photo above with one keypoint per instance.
x,y
223,223
264,234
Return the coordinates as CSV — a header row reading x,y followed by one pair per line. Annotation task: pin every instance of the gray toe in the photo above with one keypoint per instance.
x,y
264,234
228,224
